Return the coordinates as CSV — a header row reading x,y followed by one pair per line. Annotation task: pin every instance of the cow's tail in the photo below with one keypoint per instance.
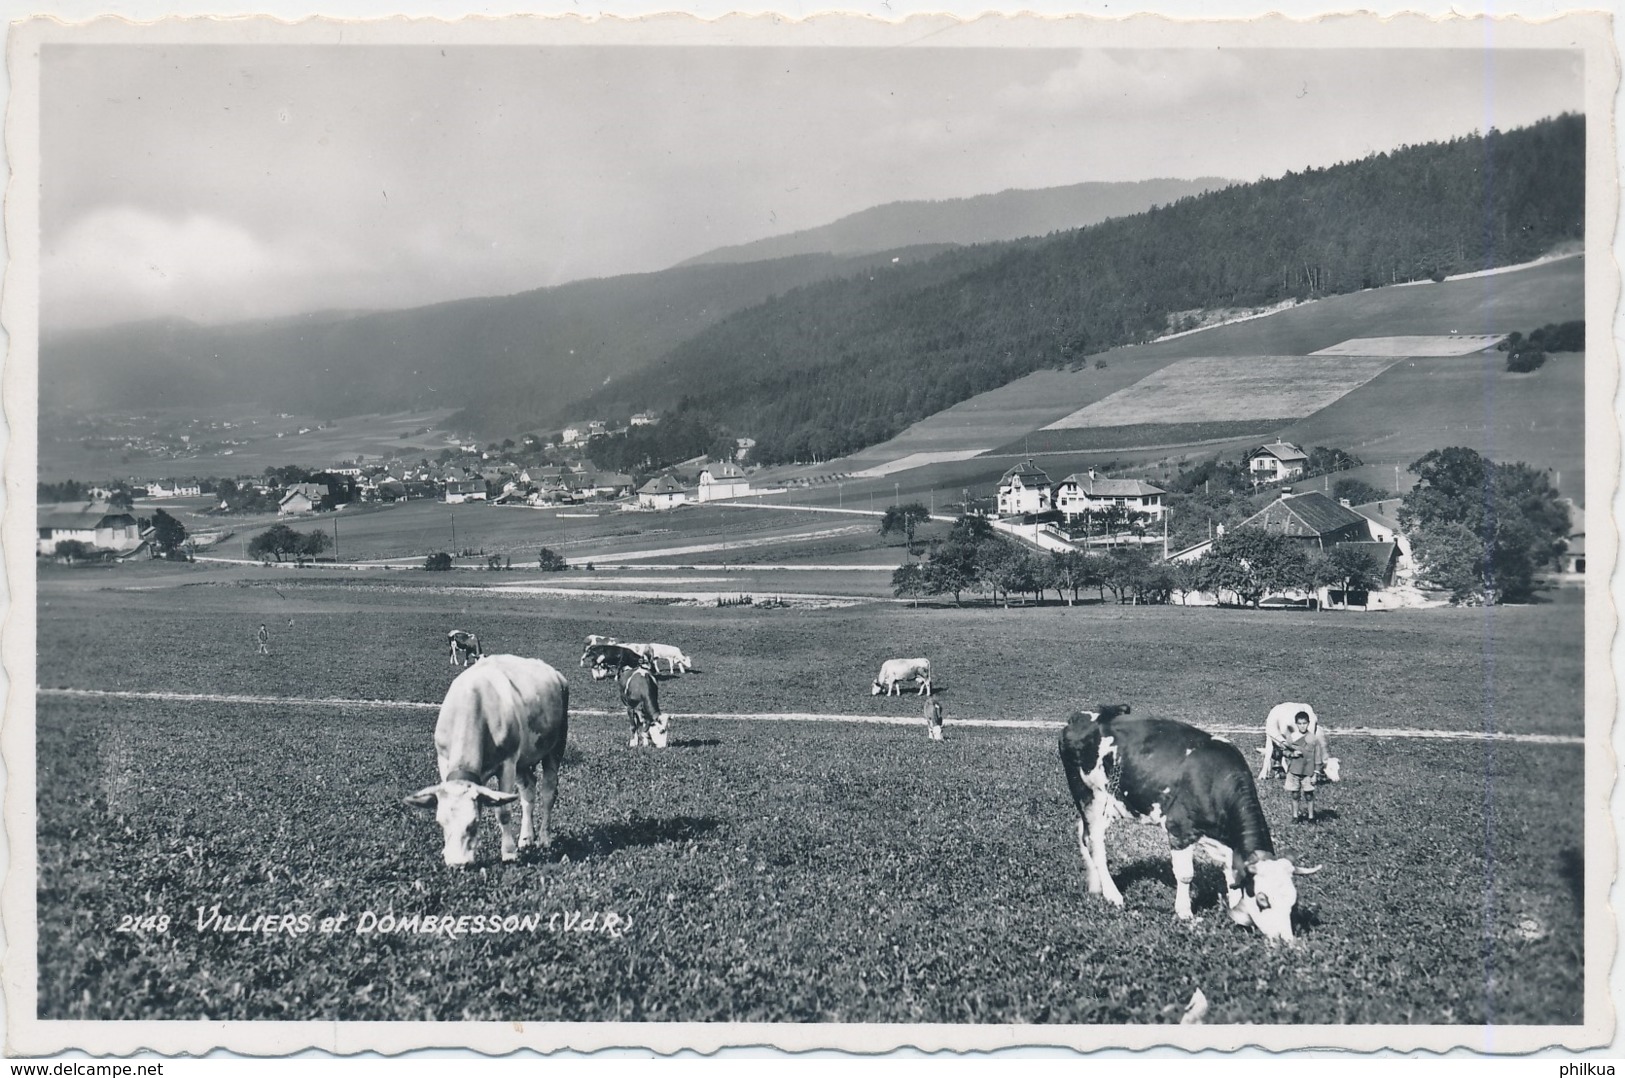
x,y
1080,751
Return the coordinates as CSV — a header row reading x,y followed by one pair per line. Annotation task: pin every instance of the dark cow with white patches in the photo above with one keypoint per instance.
x,y
609,658
592,642
503,718
1199,789
465,648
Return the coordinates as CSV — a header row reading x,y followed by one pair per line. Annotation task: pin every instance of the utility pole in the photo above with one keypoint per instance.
x,y
453,513
894,495
335,540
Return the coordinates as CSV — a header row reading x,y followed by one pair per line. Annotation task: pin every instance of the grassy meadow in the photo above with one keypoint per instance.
x,y
784,871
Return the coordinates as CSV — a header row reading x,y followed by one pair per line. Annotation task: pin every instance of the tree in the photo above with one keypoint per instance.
x,y
1252,562
1450,557
905,519
276,541
1185,578
951,570
911,581
1347,569
1513,510
168,534
1007,567
72,550
550,561
313,543
438,562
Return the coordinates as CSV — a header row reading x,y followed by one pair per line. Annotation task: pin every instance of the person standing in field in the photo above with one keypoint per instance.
x,y
264,637
1305,753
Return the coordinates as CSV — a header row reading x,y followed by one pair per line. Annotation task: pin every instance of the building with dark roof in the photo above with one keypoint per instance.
x,y
1276,461
1088,493
1026,488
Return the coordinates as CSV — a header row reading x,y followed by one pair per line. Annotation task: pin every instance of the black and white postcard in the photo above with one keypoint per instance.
x,y
813,531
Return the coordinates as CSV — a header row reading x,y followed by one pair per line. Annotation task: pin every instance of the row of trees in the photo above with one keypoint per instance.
x,y
1242,567
1526,354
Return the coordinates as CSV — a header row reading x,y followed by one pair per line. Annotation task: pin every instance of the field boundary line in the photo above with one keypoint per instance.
x,y
792,716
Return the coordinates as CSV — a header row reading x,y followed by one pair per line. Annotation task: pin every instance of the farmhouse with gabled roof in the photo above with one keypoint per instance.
x,y
1277,461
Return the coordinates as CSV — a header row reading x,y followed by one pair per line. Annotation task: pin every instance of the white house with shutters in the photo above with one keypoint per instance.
x,y
1078,494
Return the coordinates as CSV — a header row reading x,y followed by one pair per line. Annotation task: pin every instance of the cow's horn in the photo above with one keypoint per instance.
x,y
1296,871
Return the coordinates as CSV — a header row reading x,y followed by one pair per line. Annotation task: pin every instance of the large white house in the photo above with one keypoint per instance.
x,y
722,480
1088,493
1024,489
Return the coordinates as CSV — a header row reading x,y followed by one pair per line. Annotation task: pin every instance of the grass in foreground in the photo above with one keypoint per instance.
x,y
784,872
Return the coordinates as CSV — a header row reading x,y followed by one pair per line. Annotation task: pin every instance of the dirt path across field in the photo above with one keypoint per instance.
x,y
784,716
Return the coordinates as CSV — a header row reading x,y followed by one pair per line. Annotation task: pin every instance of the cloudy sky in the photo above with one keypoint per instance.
x,y
219,183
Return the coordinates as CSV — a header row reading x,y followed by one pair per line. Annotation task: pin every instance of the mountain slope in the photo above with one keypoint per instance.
x,y
515,362
1006,215
828,369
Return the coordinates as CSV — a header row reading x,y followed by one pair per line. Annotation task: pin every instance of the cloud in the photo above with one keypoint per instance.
x,y
119,263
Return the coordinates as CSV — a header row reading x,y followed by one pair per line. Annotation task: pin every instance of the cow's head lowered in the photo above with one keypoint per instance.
x,y
1265,894
456,803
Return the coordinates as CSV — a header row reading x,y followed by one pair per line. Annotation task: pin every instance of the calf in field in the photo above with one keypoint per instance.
x,y
465,648
895,671
933,720
1199,789
640,692
502,719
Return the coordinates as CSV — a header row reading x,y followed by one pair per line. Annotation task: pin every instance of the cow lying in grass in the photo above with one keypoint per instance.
x,y
502,719
1199,789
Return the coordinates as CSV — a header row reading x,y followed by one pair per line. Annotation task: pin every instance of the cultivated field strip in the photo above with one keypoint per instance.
x,y
785,716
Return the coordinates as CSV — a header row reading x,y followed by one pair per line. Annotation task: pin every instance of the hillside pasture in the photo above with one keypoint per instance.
x,y
1212,389
1494,305
790,870
1414,347
1473,401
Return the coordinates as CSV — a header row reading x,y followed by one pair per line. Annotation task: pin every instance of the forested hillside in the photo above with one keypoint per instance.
x,y
830,368
1006,215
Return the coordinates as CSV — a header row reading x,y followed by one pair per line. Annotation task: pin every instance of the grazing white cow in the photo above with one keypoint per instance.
x,y
676,662
894,671
465,648
1278,731
502,718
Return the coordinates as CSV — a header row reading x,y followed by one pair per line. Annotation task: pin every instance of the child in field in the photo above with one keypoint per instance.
x,y
1305,752
264,636
933,720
